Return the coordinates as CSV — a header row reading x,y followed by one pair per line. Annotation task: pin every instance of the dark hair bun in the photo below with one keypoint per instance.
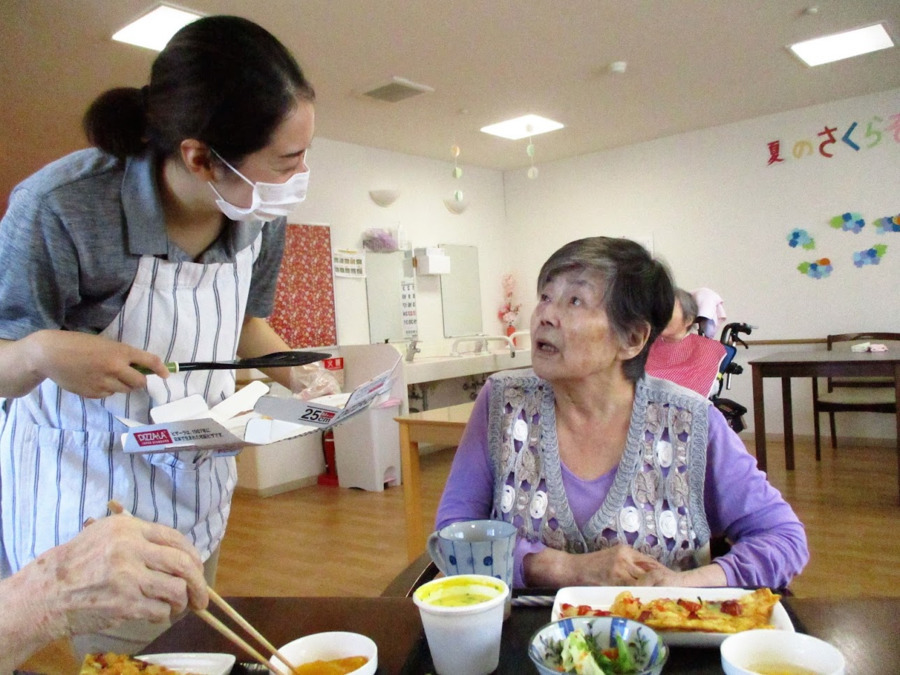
x,y
115,122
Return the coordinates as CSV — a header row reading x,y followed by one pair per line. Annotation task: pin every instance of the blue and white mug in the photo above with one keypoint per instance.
x,y
475,547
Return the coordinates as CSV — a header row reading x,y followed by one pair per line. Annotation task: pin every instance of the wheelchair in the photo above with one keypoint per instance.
x,y
732,410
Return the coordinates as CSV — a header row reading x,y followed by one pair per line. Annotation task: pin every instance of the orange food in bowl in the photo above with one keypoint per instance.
x,y
332,667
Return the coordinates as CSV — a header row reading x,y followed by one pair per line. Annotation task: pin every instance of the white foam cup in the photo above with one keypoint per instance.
x,y
463,620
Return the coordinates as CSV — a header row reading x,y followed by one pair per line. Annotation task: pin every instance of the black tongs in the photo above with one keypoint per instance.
x,y
274,360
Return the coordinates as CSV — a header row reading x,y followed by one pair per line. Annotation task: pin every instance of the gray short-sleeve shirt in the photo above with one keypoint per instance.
x,y
73,236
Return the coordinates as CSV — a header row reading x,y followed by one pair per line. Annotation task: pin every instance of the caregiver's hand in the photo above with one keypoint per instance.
x,y
88,365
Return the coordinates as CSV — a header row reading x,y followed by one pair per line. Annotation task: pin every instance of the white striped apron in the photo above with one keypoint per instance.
x,y
61,458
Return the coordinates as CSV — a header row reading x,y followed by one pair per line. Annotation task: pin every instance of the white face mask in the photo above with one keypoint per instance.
x,y
270,200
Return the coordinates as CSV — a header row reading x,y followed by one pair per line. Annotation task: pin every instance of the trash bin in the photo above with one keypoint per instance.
x,y
367,448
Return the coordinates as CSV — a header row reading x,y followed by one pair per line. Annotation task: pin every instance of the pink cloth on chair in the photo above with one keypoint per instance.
x,y
711,307
692,362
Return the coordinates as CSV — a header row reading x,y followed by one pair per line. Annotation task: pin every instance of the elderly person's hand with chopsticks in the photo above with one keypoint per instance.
x,y
117,569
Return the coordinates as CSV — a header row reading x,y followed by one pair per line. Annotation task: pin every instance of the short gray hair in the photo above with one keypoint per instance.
x,y
639,289
688,304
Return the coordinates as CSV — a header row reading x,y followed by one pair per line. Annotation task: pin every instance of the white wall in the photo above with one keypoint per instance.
x,y
342,175
714,209
720,216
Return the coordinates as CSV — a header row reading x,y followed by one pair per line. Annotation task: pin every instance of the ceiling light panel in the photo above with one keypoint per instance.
x,y
522,127
156,28
844,45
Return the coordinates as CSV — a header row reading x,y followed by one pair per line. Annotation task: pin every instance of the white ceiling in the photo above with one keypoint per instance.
x,y
692,64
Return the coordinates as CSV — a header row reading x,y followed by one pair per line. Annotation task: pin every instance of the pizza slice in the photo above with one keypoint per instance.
x,y
120,664
568,611
751,610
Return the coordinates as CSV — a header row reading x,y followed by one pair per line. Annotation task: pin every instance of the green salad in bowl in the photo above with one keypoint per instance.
x,y
598,646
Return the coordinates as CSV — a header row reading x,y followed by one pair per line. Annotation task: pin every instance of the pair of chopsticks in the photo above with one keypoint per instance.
x,y
243,623
116,508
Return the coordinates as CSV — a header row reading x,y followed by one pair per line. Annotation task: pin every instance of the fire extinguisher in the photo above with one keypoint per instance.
x,y
330,477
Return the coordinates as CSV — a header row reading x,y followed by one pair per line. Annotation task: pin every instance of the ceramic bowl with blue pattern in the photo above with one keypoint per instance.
x,y
646,647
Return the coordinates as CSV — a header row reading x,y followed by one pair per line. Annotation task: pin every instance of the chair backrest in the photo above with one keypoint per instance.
x,y
841,340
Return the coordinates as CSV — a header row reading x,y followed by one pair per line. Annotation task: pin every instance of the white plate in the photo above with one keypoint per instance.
x,y
602,597
200,664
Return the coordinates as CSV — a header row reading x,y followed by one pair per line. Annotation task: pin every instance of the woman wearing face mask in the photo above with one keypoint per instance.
x,y
162,243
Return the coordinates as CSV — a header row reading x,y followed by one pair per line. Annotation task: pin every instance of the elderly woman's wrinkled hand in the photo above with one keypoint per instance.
x,y
705,575
616,566
121,568
660,576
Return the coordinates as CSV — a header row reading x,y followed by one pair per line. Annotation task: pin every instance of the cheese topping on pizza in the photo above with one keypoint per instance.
x,y
751,610
120,664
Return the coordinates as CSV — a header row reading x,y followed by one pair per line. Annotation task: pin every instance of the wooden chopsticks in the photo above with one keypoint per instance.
x,y
243,623
116,508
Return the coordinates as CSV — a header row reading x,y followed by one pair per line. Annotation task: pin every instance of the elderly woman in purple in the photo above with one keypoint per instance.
x,y
613,477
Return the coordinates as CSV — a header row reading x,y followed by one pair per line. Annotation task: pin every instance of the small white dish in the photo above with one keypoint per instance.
x,y
773,651
199,664
328,646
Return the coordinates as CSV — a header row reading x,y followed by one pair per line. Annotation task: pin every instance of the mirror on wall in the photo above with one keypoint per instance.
x,y
390,297
461,292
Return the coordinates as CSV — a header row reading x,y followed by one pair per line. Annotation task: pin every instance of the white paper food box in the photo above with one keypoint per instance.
x,y
249,417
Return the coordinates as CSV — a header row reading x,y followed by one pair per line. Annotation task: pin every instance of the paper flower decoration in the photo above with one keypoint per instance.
x,y
848,222
378,240
870,256
508,312
887,224
818,269
801,238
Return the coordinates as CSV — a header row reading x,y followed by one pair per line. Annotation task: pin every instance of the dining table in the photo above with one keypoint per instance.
x,y
822,363
863,629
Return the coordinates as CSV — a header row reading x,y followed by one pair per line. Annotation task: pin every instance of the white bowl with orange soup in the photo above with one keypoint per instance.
x,y
354,653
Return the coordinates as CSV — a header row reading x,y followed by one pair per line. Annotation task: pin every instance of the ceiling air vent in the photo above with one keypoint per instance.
x,y
396,90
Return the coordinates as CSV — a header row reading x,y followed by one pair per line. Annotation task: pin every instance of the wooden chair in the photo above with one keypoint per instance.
x,y
859,394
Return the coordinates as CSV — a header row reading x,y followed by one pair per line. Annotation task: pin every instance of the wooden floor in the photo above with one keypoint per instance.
x,y
323,541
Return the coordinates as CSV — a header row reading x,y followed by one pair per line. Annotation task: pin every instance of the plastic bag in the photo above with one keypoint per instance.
x,y
313,380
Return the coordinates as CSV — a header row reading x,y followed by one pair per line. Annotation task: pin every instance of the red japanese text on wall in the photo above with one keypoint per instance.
x,y
832,140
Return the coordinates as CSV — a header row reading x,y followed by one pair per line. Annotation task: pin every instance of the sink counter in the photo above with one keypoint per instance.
x,y
433,368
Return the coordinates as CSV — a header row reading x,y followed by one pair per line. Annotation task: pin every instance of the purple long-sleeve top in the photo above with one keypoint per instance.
x,y
769,543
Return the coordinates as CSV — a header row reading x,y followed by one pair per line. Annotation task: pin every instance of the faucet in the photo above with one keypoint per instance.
x,y
479,340
412,349
503,338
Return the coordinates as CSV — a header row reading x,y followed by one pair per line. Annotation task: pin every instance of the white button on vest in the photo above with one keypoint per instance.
x,y
509,496
538,504
668,524
520,430
630,519
664,454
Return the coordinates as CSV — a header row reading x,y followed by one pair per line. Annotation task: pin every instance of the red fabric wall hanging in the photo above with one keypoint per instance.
x,y
304,297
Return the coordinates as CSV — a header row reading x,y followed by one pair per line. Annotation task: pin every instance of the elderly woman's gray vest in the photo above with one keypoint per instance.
x,y
655,504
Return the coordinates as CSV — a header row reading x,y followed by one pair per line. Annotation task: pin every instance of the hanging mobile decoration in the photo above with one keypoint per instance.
x,y
457,172
456,205
529,150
